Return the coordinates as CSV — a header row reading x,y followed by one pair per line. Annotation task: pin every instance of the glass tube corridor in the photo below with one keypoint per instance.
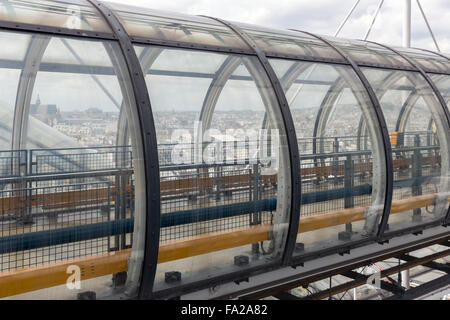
x,y
146,153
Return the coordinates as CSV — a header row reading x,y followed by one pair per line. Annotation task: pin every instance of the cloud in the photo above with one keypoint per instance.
x,y
323,16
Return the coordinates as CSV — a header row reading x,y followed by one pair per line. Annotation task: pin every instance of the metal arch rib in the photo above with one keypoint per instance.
x,y
215,89
147,58
329,99
407,107
294,157
150,150
361,125
320,122
389,80
405,111
424,74
293,73
410,102
287,81
384,133
329,103
443,104
222,76
32,62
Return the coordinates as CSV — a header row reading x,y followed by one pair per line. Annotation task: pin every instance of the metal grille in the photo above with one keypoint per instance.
x,y
52,190
48,161
199,196
38,208
335,181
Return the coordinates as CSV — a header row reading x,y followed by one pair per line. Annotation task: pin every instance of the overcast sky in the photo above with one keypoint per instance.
x,y
323,16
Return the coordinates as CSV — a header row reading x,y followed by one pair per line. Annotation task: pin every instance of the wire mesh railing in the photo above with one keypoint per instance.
x,y
53,190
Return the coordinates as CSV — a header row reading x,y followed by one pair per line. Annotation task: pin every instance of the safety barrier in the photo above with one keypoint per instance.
x,y
35,278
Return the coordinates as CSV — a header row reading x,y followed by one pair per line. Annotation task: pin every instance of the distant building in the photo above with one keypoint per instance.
x,y
47,113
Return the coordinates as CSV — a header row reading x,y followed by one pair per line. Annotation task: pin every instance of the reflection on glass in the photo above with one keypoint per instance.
x,y
288,42
366,52
69,14
343,171
169,26
442,82
428,61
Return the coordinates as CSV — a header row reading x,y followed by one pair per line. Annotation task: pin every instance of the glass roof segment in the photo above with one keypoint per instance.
x,y
168,27
68,14
429,61
369,53
16,48
442,82
286,43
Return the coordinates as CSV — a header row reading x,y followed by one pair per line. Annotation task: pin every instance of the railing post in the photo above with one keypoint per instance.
x,y
255,217
416,189
336,160
349,174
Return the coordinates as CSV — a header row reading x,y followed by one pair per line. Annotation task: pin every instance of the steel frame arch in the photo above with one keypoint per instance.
x,y
360,125
218,83
288,79
438,94
150,150
294,156
332,94
346,77
419,69
223,75
146,59
216,86
36,49
383,130
32,61
387,82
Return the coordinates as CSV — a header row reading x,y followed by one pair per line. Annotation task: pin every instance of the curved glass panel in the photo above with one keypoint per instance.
x,y
73,189
173,27
429,62
11,63
343,179
69,14
420,146
286,42
442,82
224,181
370,53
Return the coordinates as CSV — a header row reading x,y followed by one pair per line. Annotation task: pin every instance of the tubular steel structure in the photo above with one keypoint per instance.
x,y
147,154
